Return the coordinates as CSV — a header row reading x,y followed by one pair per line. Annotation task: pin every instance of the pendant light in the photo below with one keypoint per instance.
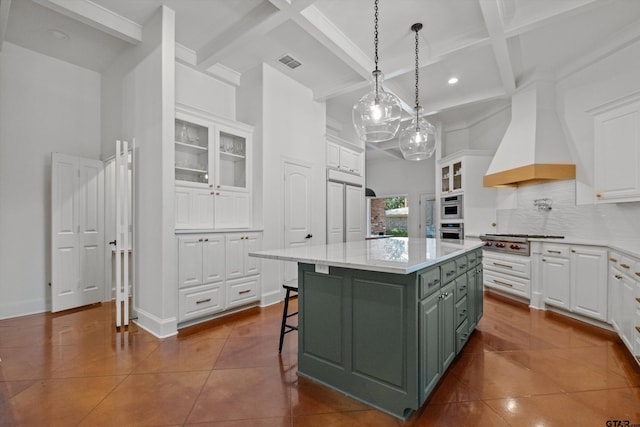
x,y
376,117
418,140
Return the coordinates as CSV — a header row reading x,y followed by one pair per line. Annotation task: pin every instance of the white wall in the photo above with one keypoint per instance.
x,y
46,105
202,91
391,177
292,126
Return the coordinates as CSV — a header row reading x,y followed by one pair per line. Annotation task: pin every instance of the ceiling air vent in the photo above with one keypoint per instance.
x,y
289,61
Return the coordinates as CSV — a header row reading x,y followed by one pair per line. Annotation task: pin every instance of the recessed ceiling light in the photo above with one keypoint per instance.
x,y
60,35
452,80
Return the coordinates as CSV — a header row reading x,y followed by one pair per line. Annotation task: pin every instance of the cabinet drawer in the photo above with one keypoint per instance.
x,y
462,335
461,311
514,265
242,291
473,258
429,281
549,249
449,270
462,283
200,301
462,264
511,284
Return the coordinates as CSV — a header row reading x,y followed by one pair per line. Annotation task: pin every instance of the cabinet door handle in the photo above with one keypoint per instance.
x,y
553,252
202,301
638,300
502,265
637,273
199,240
638,328
624,266
206,240
617,276
573,251
463,266
502,283
213,193
244,292
598,195
613,260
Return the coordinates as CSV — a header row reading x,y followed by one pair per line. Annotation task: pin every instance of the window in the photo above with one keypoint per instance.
x,y
388,216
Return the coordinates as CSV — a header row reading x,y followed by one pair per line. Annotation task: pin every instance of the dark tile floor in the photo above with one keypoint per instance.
x,y
521,367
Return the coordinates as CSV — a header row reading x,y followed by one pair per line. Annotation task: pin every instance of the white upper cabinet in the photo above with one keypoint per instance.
x,y
617,153
344,158
213,166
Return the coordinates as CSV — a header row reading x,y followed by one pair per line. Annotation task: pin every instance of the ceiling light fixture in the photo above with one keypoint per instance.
x,y
418,140
452,80
376,117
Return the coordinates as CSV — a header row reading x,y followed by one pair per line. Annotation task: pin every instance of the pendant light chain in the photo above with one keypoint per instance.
x,y
375,40
417,28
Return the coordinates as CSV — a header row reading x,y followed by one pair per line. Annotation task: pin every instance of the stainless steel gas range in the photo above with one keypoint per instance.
x,y
516,244
507,264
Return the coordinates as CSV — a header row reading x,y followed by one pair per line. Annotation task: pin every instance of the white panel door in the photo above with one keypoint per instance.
x,y
335,212
588,281
183,207
556,277
234,256
354,213
225,209
213,258
77,232
189,261
297,212
202,209
252,243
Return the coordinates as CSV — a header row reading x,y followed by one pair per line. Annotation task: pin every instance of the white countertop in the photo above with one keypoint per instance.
x,y
399,255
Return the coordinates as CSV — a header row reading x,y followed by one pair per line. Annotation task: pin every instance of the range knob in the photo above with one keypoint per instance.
x,y
488,244
514,247
499,245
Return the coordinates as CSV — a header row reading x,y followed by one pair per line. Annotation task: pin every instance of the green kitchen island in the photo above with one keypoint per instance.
x,y
381,320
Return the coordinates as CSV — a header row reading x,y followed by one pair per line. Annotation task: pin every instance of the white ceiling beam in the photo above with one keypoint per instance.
x,y
5,5
564,10
97,17
393,144
255,24
495,28
330,36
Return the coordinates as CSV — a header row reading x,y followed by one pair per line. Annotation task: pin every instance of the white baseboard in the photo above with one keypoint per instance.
x,y
159,328
23,308
271,298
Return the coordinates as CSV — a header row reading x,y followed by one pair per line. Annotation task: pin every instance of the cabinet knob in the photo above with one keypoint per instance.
x,y
624,266
210,185
199,240
598,195
217,186
213,193
206,240
573,251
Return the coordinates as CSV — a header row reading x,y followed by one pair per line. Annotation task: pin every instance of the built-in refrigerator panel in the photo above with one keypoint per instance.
x,y
354,213
335,212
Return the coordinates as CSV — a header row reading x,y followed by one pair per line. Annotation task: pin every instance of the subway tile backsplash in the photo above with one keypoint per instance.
x,y
608,222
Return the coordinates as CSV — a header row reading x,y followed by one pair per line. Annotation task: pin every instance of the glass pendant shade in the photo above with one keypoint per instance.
x,y
418,139
376,117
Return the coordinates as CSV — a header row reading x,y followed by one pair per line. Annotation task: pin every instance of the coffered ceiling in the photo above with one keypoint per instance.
x,y
489,45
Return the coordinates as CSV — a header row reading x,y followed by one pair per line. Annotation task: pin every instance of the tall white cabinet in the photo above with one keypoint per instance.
x,y
213,165
346,206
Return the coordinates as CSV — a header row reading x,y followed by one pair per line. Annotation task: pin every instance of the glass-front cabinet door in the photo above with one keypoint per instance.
x,y
233,159
192,150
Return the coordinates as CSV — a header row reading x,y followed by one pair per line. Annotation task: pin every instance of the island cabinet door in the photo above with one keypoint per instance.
x,y
449,323
430,371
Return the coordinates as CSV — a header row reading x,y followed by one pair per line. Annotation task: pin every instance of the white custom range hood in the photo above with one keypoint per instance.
x,y
533,148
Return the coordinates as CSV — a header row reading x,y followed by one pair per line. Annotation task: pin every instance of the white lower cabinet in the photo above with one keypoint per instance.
x,y
574,278
507,273
239,264
200,301
242,291
215,273
232,209
624,290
